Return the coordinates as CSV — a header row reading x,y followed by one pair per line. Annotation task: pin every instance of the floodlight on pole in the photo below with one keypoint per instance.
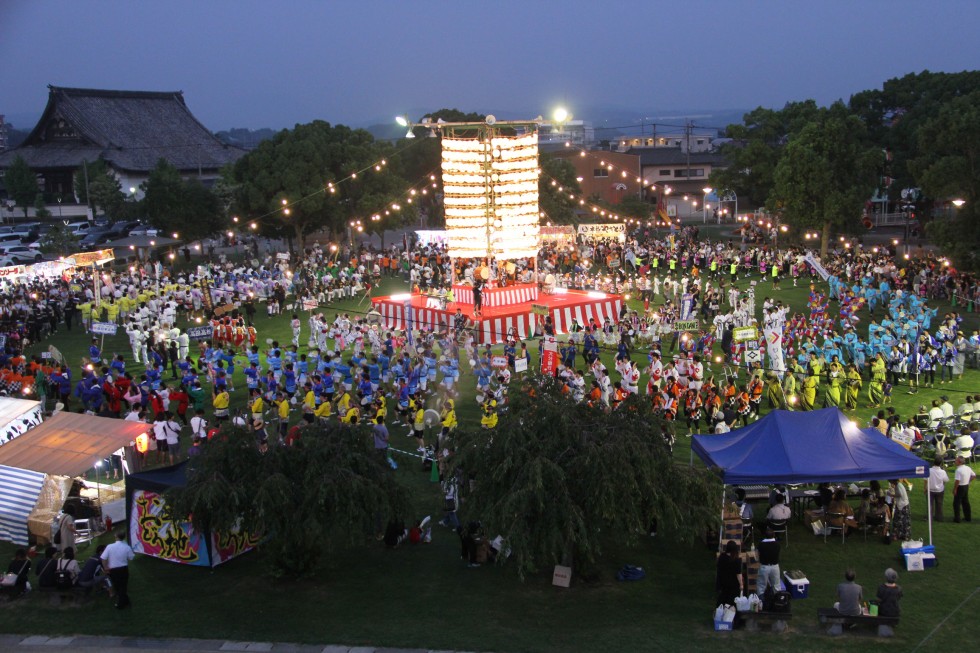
x,y
402,121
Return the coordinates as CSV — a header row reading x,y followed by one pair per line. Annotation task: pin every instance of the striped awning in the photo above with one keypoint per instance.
x,y
19,490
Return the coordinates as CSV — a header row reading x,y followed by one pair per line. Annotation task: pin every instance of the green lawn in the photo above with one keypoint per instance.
x,y
425,597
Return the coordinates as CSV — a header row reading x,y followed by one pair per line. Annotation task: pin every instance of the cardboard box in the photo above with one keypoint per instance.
x,y
562,577
799,588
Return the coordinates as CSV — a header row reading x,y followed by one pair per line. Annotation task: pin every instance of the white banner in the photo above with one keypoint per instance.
x,y
774,347
598,231
821,270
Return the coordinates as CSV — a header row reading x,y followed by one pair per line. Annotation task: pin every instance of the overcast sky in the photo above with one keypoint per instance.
x,y
276,63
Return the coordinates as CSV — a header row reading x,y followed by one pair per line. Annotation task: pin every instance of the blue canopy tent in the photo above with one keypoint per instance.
x,y
806,447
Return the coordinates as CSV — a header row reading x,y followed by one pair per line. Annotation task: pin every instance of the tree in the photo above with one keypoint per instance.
x,y
183,207
296,166
559,479
825,175
331,487
105,190
40,210
59,240
895,114
162,193
757,147
21,183
557,173
948,166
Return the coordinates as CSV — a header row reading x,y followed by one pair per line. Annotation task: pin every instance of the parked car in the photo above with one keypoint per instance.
x,y
79,228
10,239
94,239
21,254
144,230
122,229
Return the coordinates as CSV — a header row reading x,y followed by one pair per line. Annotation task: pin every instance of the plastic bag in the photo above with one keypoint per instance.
x,y
742,603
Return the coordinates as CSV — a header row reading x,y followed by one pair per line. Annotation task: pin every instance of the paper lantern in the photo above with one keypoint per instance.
x,y
490,186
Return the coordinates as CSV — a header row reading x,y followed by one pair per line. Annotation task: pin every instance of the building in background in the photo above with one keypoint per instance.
x,y
609,176
130,130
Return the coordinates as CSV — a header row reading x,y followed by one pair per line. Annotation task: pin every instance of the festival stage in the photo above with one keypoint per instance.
x,y
565,306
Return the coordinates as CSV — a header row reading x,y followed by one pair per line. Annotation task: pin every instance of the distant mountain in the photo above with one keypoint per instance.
x,y
609,122
247,139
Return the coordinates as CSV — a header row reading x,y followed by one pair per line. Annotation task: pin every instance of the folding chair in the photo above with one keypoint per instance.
x,y
780,526
830,528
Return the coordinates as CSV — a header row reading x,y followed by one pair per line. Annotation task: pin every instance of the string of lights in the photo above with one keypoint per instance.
x,y
330,187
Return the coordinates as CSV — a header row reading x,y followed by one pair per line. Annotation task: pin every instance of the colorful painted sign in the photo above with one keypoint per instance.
x,y
151,533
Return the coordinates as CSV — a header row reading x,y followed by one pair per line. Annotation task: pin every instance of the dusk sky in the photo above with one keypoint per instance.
x,y
273,64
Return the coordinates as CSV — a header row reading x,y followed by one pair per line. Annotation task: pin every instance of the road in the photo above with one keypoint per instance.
x,y
86,644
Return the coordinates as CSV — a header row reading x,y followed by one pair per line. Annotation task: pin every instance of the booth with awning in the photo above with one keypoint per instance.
x,y
17,416
38,468
789,447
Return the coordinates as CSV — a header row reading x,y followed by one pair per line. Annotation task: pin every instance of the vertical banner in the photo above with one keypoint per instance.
x,y
206,302
97,285
774,344
821,270
410,322
687,301
549,356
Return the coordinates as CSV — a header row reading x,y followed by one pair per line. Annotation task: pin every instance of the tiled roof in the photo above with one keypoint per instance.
x,y
131,130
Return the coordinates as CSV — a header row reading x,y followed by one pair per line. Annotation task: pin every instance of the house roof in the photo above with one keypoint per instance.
x,y
68,444
131,130
673,156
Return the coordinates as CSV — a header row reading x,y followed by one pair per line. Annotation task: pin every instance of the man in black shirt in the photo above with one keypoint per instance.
x,y
768,562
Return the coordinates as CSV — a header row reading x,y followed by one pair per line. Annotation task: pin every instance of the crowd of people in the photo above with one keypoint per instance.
x,y
874,330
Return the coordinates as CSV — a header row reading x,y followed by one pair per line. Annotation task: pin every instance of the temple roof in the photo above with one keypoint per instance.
x,y
131,130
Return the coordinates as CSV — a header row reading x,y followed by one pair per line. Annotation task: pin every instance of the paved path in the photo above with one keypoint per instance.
x,y
86,644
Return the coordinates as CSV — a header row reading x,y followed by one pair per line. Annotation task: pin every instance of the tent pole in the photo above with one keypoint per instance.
x,y
721,530
929,509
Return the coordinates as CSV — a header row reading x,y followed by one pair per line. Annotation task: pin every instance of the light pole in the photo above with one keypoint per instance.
x,y
60,198
728,196
704,207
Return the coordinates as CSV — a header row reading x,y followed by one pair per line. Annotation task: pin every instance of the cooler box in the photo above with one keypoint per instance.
x,y
723,625
799,588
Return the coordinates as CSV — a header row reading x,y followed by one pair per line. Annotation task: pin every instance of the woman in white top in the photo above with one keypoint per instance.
x,y
901,517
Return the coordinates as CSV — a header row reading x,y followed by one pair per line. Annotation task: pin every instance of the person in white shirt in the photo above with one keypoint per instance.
x,y
964,444
965,410
199,425
722,427
936,415
780,511
947,408
962,478
936,487
115,560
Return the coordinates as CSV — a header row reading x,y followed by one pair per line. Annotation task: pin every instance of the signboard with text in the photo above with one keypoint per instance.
x,y
200,332
105,328
744,334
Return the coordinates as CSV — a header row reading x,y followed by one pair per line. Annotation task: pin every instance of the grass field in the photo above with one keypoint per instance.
x,y
424,596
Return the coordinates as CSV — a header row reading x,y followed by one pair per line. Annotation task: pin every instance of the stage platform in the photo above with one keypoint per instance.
x,y
493,325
